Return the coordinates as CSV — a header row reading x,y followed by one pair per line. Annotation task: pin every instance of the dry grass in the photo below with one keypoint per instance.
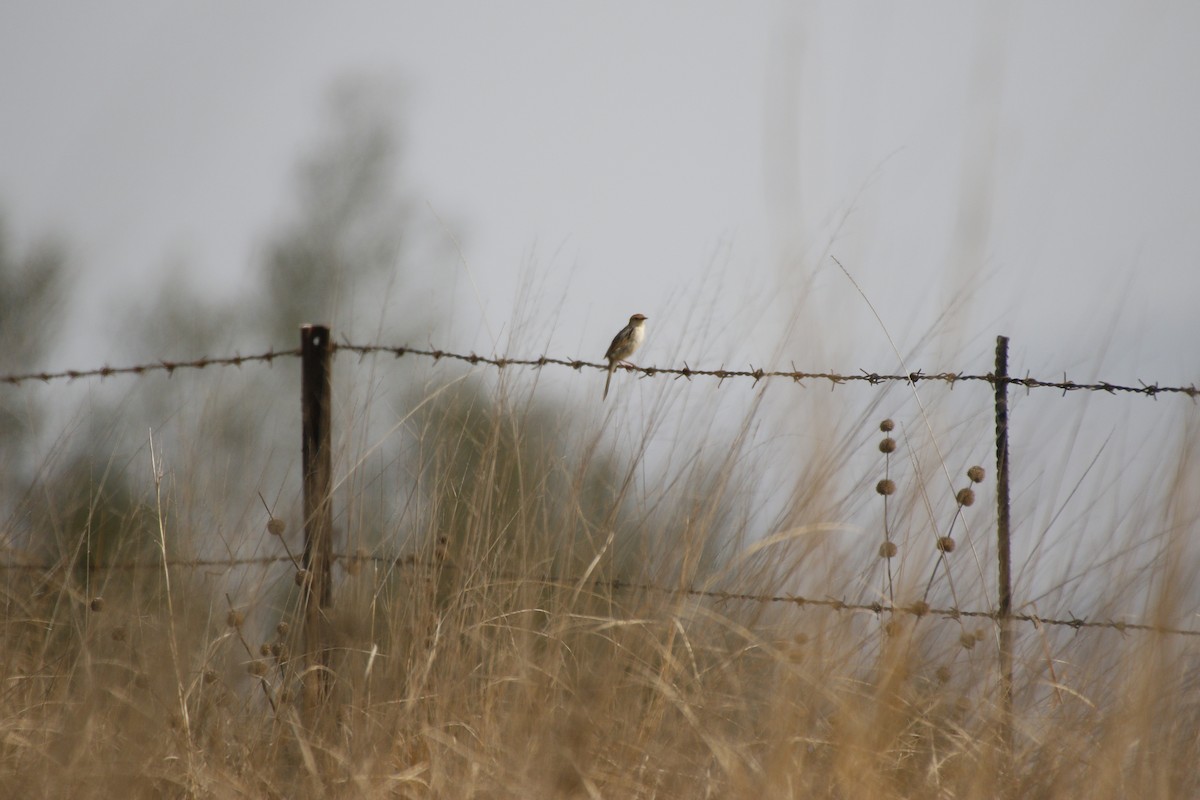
x,y
504,658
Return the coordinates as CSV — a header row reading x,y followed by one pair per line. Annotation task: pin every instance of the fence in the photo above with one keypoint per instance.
x,y
318,348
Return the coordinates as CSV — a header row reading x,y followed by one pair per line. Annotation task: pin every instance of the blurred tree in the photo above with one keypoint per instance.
x,y
79,512
336,261
32,307
345,249
502,476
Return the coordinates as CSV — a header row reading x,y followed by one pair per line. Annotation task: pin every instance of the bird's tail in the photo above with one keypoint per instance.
x,y
608,380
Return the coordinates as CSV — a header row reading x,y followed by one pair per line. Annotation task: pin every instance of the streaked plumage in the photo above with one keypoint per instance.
x,y
623,345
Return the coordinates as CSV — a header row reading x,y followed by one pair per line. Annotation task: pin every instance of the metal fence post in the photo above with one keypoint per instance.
x,y
1004,550
316,353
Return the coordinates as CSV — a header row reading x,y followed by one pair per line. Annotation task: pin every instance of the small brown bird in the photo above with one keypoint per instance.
x,y
623,345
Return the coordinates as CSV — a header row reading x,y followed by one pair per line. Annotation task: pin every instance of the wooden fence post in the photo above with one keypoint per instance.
x,y
316,354
1004,550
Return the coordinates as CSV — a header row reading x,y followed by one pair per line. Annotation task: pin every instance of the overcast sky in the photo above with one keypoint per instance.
x,y
1041,155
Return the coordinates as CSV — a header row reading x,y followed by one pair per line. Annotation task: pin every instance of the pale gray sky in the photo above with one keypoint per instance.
x,y
1043,153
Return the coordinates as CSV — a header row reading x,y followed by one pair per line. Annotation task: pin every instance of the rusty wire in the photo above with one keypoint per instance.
x,y
918,609
168,367
755,374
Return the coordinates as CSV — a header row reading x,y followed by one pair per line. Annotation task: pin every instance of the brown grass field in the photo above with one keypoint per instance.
x,y
508,622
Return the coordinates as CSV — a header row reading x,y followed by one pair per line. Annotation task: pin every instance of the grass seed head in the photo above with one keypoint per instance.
x,y
276,526
887,550
235,618
887,426
887,445
97,604
966,496
886,487
282,628
976,474
945,544
355,562
257,668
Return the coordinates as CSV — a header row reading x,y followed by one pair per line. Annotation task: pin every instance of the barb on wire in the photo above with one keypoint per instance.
x,y
917,609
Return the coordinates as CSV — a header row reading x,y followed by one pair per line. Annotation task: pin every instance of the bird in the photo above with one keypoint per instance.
x,y
623,345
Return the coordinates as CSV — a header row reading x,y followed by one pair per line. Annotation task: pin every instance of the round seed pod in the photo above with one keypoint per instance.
x,y
886,487
257,668
965,497
887,426
887,445
967,640
97,604
282,628
235,618
210,676
303,577
945,544
264,649
887,550
276,526
976,474
943,674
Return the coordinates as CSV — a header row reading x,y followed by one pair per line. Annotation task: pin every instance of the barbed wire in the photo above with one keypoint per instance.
x,y
168,367
917,609
686,372
758,374
148,564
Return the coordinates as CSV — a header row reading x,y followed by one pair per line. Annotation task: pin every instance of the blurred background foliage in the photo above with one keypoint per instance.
x,y
351,254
